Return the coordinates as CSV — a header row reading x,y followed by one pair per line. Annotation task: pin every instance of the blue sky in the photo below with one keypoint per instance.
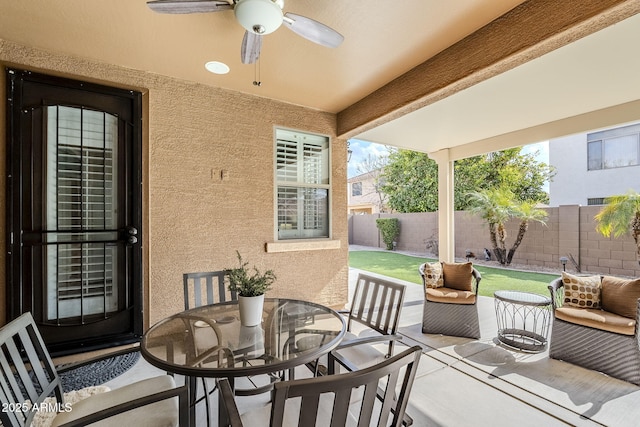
x,y
362,149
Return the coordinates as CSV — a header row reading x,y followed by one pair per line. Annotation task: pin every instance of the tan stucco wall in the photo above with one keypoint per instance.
x,y
193,220
569,231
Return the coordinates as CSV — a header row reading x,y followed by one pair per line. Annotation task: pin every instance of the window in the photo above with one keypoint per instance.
x,y
303,185
596,201
614,148
356,189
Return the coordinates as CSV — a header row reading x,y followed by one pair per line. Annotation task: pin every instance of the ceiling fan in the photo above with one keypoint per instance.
x,y
258,17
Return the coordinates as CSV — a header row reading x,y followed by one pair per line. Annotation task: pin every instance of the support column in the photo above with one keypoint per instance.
x,y
446,234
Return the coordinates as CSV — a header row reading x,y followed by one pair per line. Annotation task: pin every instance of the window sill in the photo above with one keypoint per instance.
x,y
302,245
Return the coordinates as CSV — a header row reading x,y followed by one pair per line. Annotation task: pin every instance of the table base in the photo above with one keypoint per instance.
x,y
522,340
523,319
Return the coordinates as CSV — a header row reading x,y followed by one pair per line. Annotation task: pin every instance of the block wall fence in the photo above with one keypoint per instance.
x,y
570,231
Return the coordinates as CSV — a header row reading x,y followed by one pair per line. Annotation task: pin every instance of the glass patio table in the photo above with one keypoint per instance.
x,y
209,341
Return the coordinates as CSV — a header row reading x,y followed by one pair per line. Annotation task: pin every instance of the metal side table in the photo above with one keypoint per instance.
x,y
523,319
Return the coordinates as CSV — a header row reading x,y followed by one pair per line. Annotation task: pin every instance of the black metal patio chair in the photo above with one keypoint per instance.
x,y
28,378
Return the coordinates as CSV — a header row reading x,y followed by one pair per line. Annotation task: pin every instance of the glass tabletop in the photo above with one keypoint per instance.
x,y
209,341
524,298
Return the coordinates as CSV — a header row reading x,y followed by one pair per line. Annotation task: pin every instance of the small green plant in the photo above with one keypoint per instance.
x,y
247,284
390,229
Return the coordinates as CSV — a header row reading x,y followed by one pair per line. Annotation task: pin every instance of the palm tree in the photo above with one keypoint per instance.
x,y
498,205
494,206
620,215
525,212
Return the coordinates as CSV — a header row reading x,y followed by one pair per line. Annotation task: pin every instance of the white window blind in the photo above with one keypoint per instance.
x,y
81,150
303,187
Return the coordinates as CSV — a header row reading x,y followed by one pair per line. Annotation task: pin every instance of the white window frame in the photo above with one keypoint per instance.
x,y
597,141
294,180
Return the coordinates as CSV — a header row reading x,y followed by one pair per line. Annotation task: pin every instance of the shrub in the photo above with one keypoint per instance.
x,y
390,229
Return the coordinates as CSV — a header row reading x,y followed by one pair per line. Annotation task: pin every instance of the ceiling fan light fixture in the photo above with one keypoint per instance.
x,y
259,16
217,67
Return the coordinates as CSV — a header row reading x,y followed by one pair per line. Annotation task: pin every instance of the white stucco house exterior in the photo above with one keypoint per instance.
x,y
595,165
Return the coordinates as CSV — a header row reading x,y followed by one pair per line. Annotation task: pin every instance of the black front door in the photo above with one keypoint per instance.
x,y
74,192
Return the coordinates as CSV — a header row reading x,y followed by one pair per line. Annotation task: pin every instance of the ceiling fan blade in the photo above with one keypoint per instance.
x,y
251,45
188,6
312,30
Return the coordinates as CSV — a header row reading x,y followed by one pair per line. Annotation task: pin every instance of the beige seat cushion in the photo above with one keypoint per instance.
x,y
596,318
45,418
458,275
364,356
620,296
450,296
361,356
160,414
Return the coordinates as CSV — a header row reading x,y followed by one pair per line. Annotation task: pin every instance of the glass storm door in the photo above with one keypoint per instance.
x,y
75,254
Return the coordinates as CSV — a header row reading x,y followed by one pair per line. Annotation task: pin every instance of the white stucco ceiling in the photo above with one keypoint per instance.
x,y
596,72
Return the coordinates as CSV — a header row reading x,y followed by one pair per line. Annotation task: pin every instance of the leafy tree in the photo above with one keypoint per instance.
x,y
374,166
620,215
411,182
498,205
411,178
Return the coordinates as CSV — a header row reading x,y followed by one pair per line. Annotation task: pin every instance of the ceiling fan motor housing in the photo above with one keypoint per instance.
x,y
259,16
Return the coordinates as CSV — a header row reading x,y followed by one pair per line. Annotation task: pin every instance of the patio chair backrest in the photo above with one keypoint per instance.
x,y
210,285
377,304
392,400
26,371
331,399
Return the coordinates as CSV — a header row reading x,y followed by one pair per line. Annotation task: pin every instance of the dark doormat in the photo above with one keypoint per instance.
x,y
97,372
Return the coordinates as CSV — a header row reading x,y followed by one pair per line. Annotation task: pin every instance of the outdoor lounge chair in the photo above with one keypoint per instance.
x,y
451,296
28,377
597,330
345,399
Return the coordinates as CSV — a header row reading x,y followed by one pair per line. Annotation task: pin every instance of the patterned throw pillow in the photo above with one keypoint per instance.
x,y
433,275
581,292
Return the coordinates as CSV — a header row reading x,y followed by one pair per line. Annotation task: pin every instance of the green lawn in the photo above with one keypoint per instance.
x,y
405,267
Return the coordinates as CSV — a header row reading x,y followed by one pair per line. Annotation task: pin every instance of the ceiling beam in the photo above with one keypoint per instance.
x,y
528,31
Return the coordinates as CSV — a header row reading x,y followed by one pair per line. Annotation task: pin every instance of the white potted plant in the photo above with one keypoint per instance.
x,y
250,287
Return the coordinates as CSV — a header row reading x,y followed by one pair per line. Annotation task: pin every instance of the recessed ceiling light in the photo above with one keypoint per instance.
x,y
217,67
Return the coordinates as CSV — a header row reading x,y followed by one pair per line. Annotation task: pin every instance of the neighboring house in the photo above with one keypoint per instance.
x,y
363,194
593,166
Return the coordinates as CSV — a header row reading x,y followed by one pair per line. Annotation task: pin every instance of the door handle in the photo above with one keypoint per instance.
x,y
131,233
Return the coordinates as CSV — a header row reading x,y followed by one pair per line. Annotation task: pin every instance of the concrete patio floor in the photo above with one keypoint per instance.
x,y
464,382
